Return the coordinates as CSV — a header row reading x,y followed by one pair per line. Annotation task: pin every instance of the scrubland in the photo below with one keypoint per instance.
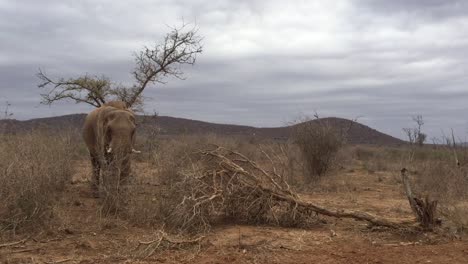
x,y
178,207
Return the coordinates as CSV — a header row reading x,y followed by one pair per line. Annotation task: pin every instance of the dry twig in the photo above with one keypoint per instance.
x,y
14,243
60,261
164,241
225,183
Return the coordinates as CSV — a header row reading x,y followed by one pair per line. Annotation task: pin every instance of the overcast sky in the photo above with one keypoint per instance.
x,y
264,62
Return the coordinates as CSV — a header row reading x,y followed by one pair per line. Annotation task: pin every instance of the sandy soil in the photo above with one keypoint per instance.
x,y
85,237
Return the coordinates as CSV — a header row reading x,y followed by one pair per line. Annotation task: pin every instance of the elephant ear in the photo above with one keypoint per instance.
x,y
132,119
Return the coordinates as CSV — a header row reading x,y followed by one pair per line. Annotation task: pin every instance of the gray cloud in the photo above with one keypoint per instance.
x,y
265,62
427,9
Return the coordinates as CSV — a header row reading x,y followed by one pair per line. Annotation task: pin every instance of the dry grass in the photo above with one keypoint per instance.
x,y
224,185
433,173
34,170
152,198
177,162
377,158
183,199
36,167
448,184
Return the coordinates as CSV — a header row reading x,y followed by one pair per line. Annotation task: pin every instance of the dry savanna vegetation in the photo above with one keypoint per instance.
x,y
214,199
297,194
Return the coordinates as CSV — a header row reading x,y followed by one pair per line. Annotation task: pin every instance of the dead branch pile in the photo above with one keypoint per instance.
x,y
224,184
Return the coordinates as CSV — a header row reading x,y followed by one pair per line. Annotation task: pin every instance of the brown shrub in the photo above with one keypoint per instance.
x,y
319,142
224,185
34,169
155,194
442,181
177,166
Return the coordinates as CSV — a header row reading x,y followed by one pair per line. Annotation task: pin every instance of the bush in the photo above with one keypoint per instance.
x,y
34,169
220,185
319,142
448,184
441,180
151,203
179,175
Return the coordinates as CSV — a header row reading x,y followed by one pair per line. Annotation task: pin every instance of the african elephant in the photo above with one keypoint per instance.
x,y
109,134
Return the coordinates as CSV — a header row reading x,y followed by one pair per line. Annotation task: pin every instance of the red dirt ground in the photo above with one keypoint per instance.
x,y
84,237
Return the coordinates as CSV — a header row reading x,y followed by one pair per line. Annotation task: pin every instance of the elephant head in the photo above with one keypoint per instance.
x,y
119,132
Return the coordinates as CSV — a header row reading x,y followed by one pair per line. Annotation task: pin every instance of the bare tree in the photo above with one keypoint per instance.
x,y
409,133
153,64
451,144
85,89
415,135
6,112
4,116
418,119
420,136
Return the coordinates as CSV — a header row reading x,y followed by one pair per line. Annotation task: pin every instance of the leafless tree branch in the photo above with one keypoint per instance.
x,y
85,89
153,64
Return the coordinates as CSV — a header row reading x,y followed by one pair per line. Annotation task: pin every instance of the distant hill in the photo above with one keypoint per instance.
x,y
165,125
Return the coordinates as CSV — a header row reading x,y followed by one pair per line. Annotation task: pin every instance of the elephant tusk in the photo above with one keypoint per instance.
x,y
109,150
136,151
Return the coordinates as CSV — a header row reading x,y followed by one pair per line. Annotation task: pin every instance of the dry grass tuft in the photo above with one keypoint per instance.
x,y
154,195
34,169
448,184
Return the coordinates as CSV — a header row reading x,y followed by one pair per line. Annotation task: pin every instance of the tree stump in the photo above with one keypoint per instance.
x,y
424,209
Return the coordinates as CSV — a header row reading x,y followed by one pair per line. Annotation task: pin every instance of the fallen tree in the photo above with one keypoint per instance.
x,y
222,183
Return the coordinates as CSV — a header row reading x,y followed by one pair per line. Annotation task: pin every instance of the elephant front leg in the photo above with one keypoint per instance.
x,y
96,167
125,172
